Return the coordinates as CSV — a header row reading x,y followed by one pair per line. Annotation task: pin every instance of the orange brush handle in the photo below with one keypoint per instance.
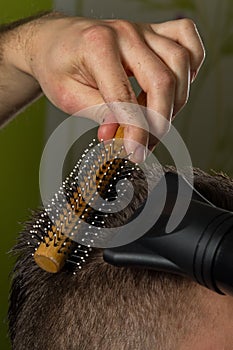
x,y
142,101
120,132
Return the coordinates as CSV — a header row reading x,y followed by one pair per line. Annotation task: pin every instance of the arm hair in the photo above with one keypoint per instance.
x,y
18,87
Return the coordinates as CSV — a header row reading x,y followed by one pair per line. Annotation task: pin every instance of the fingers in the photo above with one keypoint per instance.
x,y
153,141
113,84
156,80
165,78
178,61
185,33
162,65
108,128
162,57
105,65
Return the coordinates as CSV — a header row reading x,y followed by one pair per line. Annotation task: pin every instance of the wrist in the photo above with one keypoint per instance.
x,y
19,42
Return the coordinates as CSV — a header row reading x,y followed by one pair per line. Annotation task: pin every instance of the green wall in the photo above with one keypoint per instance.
x,y
21,143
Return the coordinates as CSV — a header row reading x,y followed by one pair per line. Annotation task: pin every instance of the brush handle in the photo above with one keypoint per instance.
x,y
141,101
120,133
51,257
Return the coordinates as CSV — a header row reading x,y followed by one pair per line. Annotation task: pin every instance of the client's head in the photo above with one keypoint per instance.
x,y
102,307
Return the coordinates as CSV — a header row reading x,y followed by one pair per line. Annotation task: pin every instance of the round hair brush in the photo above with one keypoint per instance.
x,y
75,214
63,219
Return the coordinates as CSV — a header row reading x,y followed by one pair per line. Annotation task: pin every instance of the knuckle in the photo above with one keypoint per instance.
x,y
129,29
97,33
124,25
165,80
188,24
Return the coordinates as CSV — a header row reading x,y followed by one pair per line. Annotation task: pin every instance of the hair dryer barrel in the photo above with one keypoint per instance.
x,y
200,247
223,264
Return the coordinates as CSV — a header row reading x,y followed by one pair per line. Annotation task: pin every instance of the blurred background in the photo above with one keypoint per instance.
x,y
206,123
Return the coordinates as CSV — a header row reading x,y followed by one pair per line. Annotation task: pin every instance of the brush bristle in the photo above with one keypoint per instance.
x,y
75,214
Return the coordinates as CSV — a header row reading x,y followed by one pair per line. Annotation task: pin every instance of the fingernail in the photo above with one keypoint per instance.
x,y
139,154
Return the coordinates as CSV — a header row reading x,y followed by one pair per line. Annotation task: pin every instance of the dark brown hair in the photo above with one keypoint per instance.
x,y
103,307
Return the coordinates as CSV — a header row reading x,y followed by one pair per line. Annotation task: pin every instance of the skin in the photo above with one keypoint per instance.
x,y
70,58
215,330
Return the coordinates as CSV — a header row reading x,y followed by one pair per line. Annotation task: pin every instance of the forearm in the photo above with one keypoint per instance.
x,y
18,87
17,90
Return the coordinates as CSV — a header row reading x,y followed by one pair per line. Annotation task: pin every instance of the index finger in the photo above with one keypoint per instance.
x,y
113,84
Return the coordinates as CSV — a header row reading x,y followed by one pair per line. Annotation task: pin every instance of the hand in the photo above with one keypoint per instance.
x,y
81,62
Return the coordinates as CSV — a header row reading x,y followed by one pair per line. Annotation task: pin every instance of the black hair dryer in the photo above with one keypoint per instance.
x,y
200,247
